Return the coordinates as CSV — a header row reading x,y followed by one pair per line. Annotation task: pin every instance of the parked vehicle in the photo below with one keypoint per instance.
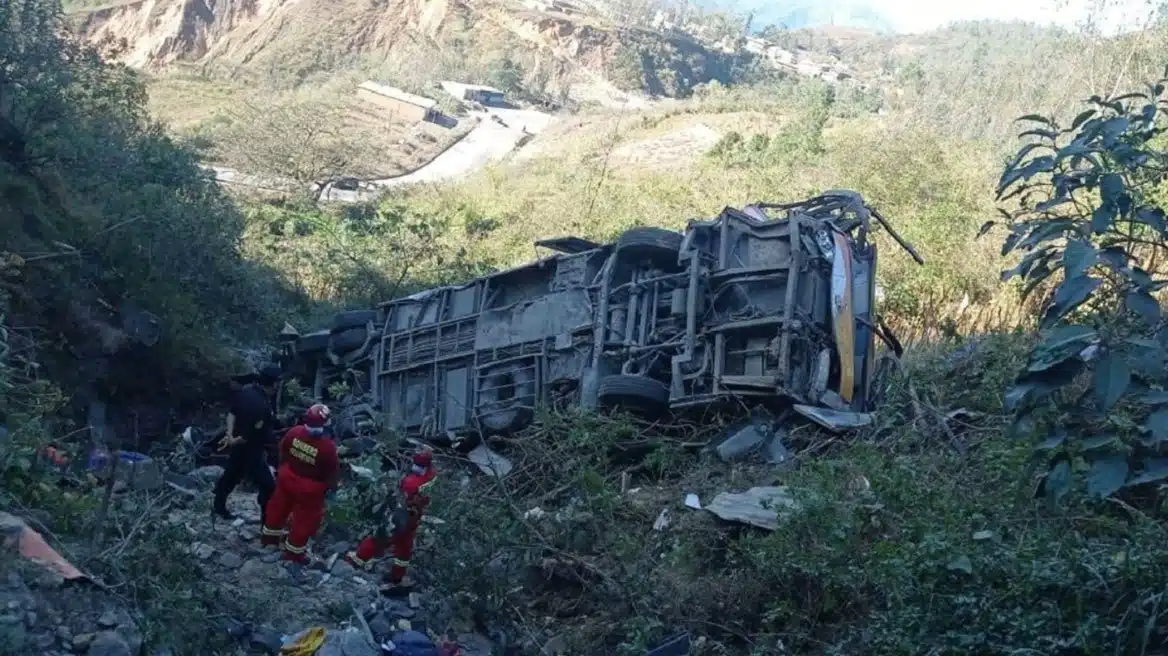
x,y
768,303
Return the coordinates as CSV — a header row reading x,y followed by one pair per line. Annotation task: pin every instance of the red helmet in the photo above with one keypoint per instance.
x,y
424,458
317,416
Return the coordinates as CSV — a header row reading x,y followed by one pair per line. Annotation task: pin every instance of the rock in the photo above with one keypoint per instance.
x,y
202,550
381,625
81,641
229,560
475,645
108,620
342,570
557,645
108,643
30,618
64,634
13,635
266,639
255,569
207,475
44,642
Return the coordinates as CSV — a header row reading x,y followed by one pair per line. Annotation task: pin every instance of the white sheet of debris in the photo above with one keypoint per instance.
x,y
489,462
758,506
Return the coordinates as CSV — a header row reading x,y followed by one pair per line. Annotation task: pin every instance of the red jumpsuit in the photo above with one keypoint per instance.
x,y
414,488
308,468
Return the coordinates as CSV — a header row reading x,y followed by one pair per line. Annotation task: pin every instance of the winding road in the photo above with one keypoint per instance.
x,y
500,131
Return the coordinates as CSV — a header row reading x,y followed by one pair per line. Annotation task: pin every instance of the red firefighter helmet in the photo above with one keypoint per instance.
x,y
424,458
317,416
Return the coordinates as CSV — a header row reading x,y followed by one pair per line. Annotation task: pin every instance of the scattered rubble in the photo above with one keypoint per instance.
x,y
758,506
489,462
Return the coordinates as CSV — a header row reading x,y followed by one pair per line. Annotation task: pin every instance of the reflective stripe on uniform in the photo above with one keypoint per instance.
x,y
398,562
273,532
288,546
359,561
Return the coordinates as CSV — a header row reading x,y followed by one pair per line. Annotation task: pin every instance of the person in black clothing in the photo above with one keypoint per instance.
x,y
250,425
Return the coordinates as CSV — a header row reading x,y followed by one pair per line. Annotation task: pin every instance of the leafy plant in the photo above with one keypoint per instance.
x,y
1087,217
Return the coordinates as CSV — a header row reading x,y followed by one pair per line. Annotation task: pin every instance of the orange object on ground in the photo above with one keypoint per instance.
x,y
14,533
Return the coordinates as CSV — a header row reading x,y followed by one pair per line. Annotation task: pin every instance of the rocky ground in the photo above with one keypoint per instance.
x,y
42,613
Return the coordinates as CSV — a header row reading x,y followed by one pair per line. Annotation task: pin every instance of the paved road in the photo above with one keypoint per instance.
x,y
490,141
499,132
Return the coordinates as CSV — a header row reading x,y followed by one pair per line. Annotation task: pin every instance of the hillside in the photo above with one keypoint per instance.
x,y
1006,496
286,42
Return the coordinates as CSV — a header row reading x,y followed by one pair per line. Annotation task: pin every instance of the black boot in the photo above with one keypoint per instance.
x,y
220,510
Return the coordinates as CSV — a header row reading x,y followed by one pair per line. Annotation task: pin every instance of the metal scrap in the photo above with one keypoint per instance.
x,y
758,506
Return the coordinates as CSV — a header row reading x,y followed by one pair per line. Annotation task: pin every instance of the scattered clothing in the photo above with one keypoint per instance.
x,y
305,645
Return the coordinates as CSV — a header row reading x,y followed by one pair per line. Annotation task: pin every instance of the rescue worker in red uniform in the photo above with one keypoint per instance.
x,y
414,492
309,468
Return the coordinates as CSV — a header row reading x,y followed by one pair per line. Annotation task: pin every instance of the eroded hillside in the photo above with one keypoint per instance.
x,y
293,40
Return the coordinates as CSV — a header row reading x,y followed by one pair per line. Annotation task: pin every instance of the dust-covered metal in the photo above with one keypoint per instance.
x,y
770,302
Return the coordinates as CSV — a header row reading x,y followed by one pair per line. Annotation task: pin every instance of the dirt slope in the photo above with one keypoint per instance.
x,y
158,33
297,39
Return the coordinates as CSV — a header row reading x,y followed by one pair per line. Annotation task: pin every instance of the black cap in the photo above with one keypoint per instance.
x,y
269,374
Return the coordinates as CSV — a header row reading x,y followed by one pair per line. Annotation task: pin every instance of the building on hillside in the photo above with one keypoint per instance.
x,y
402,105
474,93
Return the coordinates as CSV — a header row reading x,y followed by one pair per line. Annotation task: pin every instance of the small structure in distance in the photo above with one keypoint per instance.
x,y
402,105
474,93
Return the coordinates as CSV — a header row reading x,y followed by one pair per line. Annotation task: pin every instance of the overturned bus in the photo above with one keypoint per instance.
x,y
768,303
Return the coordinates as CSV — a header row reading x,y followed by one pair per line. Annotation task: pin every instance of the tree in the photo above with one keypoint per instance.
x,y
304,142
1082,203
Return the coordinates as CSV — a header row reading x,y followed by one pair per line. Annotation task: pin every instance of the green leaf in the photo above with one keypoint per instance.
x,y
1114,256
1058,481
1052,442
1112,376
1107,474
1047,231
1037,118
1081,118
1098,442
1078,257
1103,217
1153,397
1061,344
1111,188
1113,128
1157,424
1151,216
1143,304
1026,264
1039,132
1070,295
1155,469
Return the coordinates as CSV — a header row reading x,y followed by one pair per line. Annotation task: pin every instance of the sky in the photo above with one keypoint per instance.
x,y
921,15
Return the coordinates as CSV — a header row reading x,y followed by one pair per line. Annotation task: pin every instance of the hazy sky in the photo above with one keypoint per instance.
x,y
920,15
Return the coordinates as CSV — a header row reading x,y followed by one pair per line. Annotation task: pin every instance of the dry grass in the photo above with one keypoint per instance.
x,y
194,105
